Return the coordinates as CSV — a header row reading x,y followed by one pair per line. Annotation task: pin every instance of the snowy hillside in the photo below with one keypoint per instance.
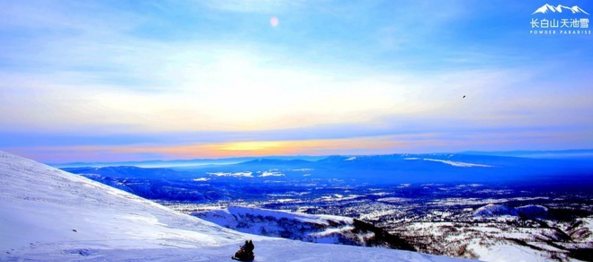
x,y
304,227
50,215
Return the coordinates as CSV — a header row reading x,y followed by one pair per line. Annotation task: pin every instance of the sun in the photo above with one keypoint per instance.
x,y
274,21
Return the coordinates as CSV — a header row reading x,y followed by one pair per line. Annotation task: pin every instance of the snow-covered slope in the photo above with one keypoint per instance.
x,y
528,211
304,227
50,215
280,224
41,205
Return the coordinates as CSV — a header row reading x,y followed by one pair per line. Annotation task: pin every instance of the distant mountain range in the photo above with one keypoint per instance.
x,y
574,153
180,163
558,9
375,169
188,163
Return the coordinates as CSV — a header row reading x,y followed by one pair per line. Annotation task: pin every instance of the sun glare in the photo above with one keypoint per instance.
x,y
274,21
250,146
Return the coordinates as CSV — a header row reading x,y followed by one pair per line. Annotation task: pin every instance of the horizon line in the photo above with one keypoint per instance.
x,y
469,152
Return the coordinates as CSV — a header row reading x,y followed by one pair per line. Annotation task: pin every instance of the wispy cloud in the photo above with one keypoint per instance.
x,y
234,93
256,6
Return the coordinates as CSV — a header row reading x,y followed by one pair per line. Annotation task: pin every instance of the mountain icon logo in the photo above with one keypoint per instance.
x,y
559,9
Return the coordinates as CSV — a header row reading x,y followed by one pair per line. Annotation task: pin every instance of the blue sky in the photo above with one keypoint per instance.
x,y
135,80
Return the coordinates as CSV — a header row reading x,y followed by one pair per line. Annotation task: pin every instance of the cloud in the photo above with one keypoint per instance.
x,y
167,75
237,97
240,94
255,6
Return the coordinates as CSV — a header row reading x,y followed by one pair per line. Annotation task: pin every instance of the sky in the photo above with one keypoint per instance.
x,y
179,79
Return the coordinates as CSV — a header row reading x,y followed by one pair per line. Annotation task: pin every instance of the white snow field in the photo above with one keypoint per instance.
x,y
51,215
305,227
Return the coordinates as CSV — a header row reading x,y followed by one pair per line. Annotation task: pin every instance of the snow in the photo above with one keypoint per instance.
x,y
301,169
265,251
236,174
455,163
496,210
332,231
271,173
576,9
310,228
508,253
547,7
393,200
277,214
492,210
42,205
588,223
448,162
583,232
51,215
